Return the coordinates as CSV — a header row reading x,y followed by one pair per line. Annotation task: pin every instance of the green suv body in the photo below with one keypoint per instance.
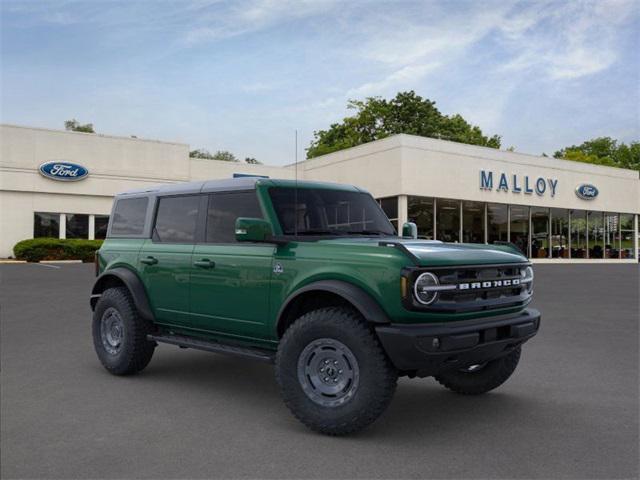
x,y
312,277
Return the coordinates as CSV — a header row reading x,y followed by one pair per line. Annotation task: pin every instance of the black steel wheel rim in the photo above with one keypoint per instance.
x,y
112,331
328,372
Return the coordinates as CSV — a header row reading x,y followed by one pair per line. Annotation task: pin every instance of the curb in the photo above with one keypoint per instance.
x,y
60,261
8,261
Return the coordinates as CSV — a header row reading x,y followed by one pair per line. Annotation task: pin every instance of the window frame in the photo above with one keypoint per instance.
x,y
205,213
197,234
148,217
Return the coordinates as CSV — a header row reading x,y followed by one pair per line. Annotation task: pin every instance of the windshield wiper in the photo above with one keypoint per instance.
x,y
317,232
367,232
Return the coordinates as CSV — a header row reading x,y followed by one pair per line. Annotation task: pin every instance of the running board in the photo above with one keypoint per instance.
x,y
216,347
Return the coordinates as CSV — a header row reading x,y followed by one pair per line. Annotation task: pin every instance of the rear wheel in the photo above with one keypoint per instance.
x,y
332,372
120,333
481,378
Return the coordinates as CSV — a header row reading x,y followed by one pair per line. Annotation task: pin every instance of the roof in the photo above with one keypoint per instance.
x,y
407,141
130,138
230,184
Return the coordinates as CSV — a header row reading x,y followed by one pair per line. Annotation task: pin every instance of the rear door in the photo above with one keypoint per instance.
x,y
165,259
230,281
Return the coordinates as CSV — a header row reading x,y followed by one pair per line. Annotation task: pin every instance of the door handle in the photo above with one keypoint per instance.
x,y
204,263
149,260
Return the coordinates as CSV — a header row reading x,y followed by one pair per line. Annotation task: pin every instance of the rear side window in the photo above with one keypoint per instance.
x,y
224,209
129,215
176,219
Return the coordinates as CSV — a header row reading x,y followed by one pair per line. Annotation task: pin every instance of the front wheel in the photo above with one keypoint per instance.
x,y
478,379
332,372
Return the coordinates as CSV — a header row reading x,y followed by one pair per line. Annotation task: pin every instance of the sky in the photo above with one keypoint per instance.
x,y
243,76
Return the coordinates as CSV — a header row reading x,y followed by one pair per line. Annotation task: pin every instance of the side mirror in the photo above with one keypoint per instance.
x,y
410,230
252,229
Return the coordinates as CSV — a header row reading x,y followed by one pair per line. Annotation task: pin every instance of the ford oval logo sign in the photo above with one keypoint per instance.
x,y
63,171
586,191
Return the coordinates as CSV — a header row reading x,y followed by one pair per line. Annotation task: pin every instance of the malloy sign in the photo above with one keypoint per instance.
x,y
514,183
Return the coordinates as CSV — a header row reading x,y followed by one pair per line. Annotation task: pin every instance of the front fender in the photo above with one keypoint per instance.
x,y
356,296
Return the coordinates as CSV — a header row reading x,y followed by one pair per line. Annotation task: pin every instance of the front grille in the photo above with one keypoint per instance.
x,y
478,288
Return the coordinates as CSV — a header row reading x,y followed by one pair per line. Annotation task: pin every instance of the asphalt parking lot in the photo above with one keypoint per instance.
x,y
570,411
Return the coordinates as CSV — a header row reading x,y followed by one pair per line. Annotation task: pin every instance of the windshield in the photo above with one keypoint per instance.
x,y
328,212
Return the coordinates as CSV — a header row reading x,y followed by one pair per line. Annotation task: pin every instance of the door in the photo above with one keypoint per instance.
x,y
165,259
230,281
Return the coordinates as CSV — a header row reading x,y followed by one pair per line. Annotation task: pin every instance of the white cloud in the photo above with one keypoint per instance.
x,y
250,16
564,41
400,79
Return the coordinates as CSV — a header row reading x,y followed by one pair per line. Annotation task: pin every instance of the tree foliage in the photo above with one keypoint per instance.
x,y
74,126
222,155
377,118
252,161
201,153
604,151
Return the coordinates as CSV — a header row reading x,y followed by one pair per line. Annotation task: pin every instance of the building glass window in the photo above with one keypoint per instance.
x,y
390,207
100,226
473,222
77,226
497,222
420,211
520,228
539,232
626,236
448,220
559,233
578,234
48,225
596,234
611,235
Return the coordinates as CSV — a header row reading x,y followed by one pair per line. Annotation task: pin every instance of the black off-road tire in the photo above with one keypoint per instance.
x,y
134,351
376,380
486,378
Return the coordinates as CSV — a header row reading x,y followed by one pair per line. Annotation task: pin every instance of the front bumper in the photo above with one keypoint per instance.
x,y
428,349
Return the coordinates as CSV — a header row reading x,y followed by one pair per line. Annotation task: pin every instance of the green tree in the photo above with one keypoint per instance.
x,y
201,153
377,118
222,155
604,151
74,126
252,161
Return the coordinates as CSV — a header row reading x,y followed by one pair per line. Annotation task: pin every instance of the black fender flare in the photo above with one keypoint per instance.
x,y
132,282
356,296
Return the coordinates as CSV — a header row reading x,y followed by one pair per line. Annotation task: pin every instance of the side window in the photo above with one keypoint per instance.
x,y
224,209
129,215
176,219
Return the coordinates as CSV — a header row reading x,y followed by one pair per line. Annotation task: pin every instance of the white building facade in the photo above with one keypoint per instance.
x,y
61,184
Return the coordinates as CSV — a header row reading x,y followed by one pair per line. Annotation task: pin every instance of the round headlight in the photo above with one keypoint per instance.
x,y
527,278
423,288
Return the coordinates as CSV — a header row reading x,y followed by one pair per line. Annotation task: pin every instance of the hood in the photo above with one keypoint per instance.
x,y
434,253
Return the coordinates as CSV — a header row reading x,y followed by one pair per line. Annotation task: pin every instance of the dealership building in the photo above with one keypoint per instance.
x,y
61,184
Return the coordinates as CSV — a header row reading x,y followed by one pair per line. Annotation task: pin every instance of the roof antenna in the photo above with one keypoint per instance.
x,y
295,191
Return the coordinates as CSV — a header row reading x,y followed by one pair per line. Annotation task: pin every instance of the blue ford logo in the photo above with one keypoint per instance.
x,y
63,171
586,191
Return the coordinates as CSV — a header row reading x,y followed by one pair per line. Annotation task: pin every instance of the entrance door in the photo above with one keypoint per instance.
x,y
165,260
230,281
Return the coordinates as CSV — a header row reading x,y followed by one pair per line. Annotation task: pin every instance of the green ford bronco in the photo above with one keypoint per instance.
x,y
313,278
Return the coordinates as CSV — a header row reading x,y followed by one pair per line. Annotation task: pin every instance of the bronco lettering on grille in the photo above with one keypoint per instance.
x,y
510,282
